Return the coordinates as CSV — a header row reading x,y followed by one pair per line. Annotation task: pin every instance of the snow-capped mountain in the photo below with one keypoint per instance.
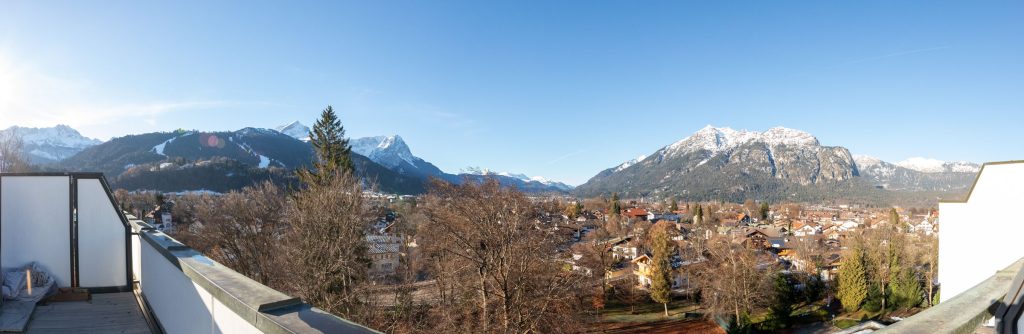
x,y
776,164
916,173
219,161
389,151
517,176
783,153
392,152
716,140
52,144
295,130
926,165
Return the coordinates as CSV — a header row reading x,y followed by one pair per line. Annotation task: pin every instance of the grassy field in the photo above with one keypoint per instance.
x,y
647,311
648,317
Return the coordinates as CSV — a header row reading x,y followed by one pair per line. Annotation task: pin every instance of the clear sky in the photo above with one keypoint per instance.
x,y
550,88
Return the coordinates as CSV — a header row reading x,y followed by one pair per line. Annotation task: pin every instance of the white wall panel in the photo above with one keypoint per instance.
x,y
137,258
101,238
176,301
982,236
35,219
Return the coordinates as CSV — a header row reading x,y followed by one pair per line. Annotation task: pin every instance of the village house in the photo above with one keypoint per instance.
x,y
636,214
656,217
752,238
642,270
385,254
161,217
846,225
802,229
924,227
624,251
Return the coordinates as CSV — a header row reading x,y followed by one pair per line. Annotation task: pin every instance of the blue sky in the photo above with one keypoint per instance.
x,y
556,89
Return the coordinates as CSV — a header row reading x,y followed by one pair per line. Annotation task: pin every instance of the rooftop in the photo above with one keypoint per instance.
x,y
140,279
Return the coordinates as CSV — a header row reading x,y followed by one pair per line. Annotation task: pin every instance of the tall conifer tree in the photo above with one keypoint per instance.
x,y
661,269
332,150
853,282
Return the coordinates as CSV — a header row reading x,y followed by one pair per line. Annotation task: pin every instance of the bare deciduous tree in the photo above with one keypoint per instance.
x,y
495,264
327,251
243,230
11,159
596,256
928,259
736,280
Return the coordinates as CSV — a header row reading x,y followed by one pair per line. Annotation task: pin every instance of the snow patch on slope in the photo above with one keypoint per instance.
x,y
159,149
626,164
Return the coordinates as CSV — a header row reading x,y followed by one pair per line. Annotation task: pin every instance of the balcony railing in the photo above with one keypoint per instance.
x,y
70,225
188,292
965,312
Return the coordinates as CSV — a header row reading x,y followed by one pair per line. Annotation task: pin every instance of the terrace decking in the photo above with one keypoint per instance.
x,y
105,313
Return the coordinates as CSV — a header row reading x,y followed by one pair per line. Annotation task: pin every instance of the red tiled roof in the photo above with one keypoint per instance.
x,y
636,212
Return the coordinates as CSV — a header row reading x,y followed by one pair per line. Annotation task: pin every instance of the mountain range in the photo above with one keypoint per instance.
x,y
777,164
227,160
713,163
49,145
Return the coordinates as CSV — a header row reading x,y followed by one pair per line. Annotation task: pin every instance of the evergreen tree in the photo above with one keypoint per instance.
x,y
673,206
332,150
906,290
698,216
784,297
894,218
764,210
661,269
574,210
616,208
853,282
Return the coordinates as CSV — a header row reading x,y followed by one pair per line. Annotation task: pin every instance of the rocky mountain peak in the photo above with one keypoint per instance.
x,y
715,139
295,130
389,151
52,144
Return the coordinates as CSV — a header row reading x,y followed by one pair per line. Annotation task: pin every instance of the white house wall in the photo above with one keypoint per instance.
x,y
983,235
35,219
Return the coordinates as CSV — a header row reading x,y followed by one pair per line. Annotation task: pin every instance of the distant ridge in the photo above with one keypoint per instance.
x,y
720,163
49,145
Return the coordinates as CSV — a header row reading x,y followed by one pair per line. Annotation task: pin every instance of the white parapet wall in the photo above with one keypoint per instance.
x,y
180,304
187,292
983,233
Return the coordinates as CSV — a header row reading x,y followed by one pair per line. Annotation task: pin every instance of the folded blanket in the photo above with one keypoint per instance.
x,y
15,286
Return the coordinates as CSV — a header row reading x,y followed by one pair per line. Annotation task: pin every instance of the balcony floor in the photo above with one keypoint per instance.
x,y
105,313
